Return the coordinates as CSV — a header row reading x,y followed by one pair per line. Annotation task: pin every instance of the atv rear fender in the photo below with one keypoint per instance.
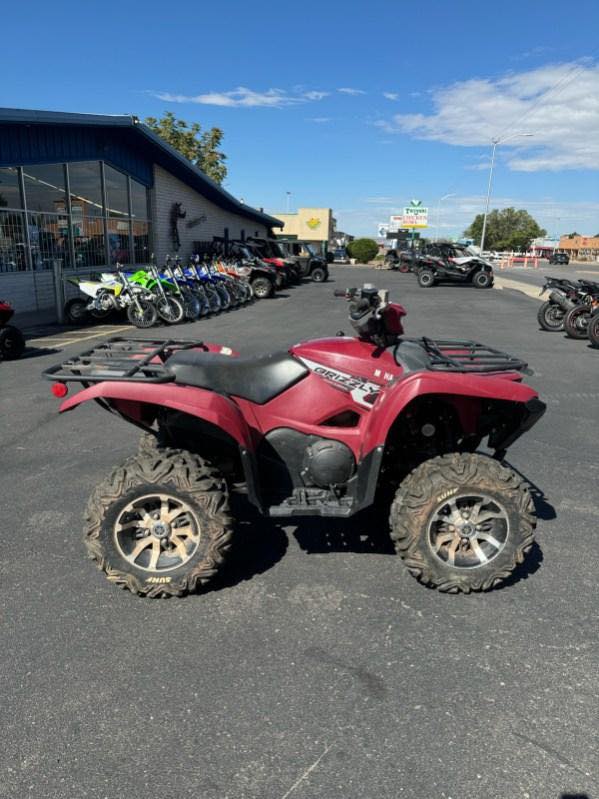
x,y
468,394
140,404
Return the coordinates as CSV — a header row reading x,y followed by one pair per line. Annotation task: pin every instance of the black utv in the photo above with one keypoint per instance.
x,y
446,262
307,259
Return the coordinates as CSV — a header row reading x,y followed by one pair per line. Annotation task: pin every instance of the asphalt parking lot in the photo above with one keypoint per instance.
x,y
317,668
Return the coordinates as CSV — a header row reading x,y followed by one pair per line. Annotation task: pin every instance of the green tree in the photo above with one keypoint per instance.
x,y
199,147
363,250
507,229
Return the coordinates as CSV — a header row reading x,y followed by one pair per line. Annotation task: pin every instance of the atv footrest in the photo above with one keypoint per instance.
x,y
313,502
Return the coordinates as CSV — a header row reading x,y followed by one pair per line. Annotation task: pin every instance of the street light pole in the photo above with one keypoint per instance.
x,y
495,142
482,236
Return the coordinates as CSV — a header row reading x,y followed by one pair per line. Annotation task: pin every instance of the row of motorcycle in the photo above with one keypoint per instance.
x,y
572,307
173,294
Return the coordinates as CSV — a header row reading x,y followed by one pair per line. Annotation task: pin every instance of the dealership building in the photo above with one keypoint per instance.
x,y
81,192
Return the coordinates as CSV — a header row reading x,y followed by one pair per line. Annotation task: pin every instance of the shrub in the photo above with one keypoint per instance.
x,y
363,250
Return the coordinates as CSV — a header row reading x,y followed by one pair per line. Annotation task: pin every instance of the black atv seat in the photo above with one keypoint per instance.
x,y
257,379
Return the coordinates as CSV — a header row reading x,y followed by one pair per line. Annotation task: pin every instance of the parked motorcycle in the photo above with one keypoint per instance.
x,y
111,292
310,432
564,296
100,301
169,306
192,307
576,320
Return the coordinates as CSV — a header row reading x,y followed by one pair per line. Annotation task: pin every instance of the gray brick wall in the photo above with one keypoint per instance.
x,y
169,190
28,291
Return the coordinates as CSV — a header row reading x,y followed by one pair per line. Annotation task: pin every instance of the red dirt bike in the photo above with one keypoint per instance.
x,y
312,431
12,341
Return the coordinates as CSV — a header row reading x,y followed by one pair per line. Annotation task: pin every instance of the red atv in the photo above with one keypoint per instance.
x,y
12,342
312,431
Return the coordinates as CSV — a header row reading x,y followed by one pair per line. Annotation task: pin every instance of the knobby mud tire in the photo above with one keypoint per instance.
x,y
419,495
185,474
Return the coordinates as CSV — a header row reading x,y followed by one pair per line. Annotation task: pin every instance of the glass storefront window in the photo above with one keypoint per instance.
x,y
48,238
44,187
139,200
141,242
13,251
116,193
118,241
88,242
92,227
10,193
86,189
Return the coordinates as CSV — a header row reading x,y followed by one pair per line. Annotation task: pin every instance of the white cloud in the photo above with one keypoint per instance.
x,y
313,96
558,104
320,119
391,95
348,90
242,97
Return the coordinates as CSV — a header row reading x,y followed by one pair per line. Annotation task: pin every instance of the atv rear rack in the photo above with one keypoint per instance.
x,y
455,356
469,356
134,360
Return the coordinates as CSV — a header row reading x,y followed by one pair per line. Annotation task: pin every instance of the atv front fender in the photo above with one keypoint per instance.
x,y
140,403
466,392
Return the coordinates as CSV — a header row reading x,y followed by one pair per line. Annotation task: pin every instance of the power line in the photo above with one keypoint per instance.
x,y
562,82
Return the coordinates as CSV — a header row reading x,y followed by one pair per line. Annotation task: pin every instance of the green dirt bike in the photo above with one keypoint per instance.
x,y
169,306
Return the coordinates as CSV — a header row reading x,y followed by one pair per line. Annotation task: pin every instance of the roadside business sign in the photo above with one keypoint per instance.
x,y
382,229
415,215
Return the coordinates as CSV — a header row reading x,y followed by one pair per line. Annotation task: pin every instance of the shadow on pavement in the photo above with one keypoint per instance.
x,y
258,545
36,352
532,564
543,508
367,532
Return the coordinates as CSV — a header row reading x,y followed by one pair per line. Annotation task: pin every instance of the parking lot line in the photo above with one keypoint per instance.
x,y
73,340
51,341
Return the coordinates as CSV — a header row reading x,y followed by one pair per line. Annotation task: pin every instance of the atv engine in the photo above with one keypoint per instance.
x,y
327,463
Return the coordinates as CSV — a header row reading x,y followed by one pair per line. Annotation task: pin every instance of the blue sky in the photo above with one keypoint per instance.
x,y
356,106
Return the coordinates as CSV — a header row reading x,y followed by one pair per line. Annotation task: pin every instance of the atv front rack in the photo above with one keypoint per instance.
x,y
455,356
134,360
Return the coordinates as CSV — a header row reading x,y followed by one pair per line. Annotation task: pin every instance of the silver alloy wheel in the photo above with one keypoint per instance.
x,y
468,531
170,309
157,532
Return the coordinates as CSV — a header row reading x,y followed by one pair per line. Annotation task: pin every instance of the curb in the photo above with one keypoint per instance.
x,y
529,289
